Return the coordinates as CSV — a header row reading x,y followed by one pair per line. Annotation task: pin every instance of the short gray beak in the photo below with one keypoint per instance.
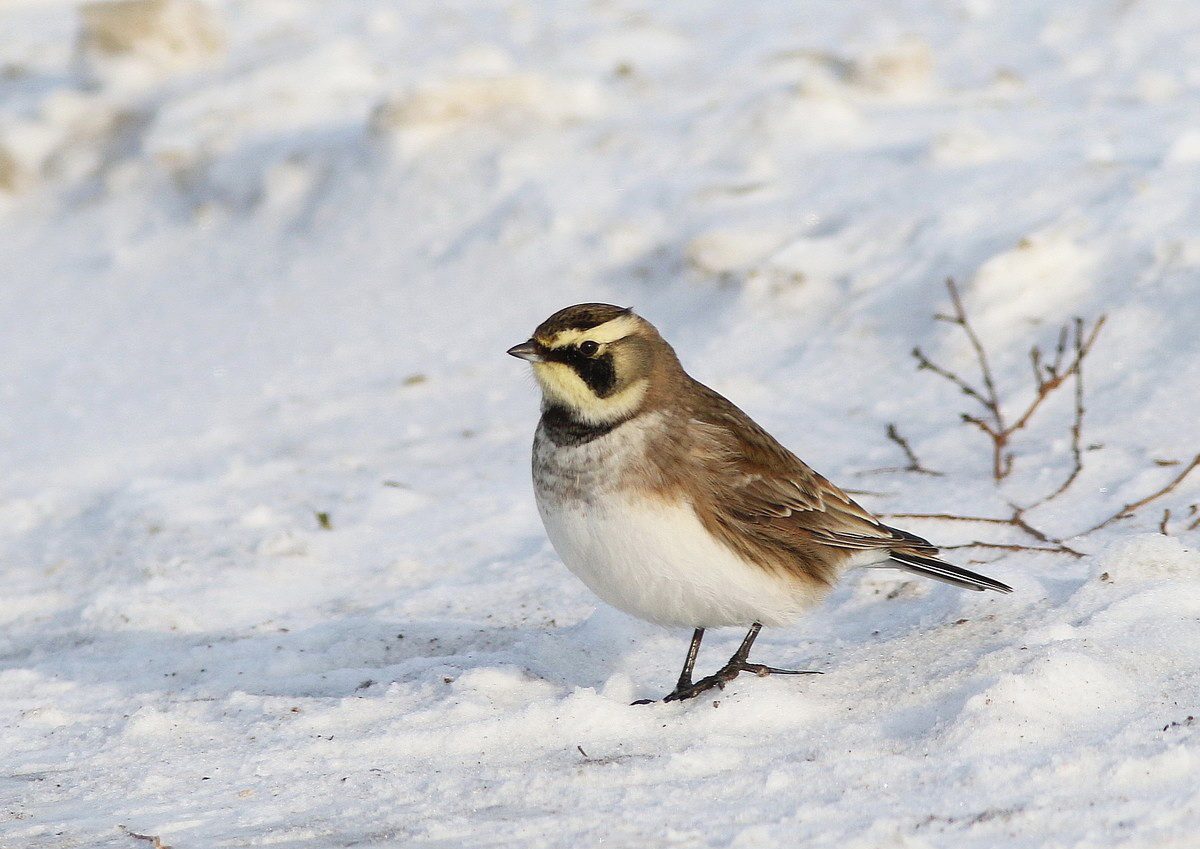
x,y
530,350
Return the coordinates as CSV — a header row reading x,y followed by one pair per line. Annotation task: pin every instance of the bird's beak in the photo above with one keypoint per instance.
x,y
529,350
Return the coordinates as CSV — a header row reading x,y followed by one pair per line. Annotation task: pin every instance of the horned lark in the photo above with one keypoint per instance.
x,y
671,504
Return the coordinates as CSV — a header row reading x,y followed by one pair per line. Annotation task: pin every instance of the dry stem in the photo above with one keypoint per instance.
x,y
1051,370
1016,520
1048,376
914,465
153,839
1055,544
1131,508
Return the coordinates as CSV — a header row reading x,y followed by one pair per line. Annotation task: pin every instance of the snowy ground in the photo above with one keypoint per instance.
x,y
263,265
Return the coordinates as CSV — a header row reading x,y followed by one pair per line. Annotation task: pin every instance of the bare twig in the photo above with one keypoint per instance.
x,y
1016,520
914,465
153,839
1082,346
1048,376
1052,368
989,383
999,546
1055,378
948,517
1131,508
923,362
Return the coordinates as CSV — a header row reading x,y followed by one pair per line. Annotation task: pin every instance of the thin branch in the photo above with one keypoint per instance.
x,y
1048,376
1081,349
914,465
950,517
997,546
924,363
989,383
1055,378
1131,508
1052,369
1016,520
153,839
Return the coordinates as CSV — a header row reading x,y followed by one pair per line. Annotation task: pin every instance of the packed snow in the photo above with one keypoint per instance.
x,y
272,571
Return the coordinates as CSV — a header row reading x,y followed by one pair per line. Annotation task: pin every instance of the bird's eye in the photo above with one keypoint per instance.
x,y
588,348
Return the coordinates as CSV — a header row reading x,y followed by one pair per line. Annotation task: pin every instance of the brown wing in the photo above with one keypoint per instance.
x,y
783,512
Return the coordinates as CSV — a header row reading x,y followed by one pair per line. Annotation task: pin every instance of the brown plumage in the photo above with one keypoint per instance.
x,y
623,424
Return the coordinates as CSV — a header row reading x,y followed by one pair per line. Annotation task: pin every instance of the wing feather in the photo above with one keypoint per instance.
x,y
764,484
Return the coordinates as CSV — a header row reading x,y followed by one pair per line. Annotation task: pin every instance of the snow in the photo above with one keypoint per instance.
x,y
263,262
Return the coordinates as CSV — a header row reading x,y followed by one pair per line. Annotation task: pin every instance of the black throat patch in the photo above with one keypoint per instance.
x,y
564,429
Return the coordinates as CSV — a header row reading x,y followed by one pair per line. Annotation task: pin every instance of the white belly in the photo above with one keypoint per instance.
x,y
657,562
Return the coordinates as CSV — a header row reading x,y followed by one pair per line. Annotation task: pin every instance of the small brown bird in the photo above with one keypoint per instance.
x,y
671,504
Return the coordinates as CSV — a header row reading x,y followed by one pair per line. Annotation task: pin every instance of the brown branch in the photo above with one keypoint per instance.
x,y
985,369
1054,544
1048,376
153,839
948,517
1051,371
914,465
1016,520
1082,347
1131,508
924,363
998,546
1055,378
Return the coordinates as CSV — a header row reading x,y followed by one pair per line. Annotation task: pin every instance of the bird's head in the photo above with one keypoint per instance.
x,y
596,361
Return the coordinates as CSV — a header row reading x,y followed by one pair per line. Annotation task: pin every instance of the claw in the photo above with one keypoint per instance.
x,y
722,677
762,671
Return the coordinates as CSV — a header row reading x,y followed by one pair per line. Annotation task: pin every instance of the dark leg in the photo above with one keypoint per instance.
x,y
685,677
736,665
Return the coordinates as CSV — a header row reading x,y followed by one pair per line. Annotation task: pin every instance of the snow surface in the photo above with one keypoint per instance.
x,y
265,268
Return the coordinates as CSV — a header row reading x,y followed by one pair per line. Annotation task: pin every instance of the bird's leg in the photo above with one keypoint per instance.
x,y
685,677
740,657
736,665
689,663
743,651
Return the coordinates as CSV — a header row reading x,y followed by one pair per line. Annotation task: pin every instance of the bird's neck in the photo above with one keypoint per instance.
x,y
564,427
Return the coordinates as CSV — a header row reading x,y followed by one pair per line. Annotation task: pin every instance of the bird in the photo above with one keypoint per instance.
x,y
674,506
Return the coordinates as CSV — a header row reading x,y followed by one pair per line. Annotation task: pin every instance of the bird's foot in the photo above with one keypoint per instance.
x,y
722,677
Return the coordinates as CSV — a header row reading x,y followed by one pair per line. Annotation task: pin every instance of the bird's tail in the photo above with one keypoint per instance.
x,y
940,570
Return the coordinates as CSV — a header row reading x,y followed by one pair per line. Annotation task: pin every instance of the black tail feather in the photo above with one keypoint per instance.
x,y
940,570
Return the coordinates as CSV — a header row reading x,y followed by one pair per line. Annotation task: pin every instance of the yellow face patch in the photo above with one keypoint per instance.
x,y
562,385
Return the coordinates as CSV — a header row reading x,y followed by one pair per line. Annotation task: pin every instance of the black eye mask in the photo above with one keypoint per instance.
x,y
597,372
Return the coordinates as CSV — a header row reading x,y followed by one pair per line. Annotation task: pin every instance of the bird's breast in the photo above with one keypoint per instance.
x,y
590,470
647,552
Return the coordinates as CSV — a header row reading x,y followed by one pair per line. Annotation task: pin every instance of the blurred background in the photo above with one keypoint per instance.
x,y
259,264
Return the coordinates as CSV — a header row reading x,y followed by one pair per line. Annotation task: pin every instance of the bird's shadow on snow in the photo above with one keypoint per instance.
x,y
353,655
364,653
